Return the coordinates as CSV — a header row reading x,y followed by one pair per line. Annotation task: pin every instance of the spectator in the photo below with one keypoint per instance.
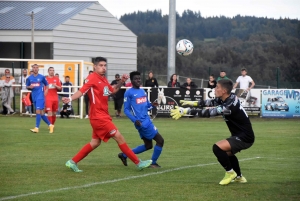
x,y
222,75
211,82
66,88
3,79
119,96
189,84
30,97
86,99
7,94
244,81
151,81
22,80
27,103
66,110
59,95
173,81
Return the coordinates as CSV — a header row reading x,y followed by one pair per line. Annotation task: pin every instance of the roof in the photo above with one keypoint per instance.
x,y
16,15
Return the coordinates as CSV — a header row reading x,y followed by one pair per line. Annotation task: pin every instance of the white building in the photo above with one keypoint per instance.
x,y
70,30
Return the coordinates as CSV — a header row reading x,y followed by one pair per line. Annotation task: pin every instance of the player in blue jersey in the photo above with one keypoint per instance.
x,y
136,106
39,87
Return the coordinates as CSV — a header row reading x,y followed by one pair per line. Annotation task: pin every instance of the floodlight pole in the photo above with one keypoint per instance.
x,y
171,38
32,35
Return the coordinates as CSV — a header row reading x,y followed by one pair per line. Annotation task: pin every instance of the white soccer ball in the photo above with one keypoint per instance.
x,y
184,47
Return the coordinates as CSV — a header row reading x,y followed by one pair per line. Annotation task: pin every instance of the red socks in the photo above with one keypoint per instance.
x,y
53,119
129,153
50,119
86,149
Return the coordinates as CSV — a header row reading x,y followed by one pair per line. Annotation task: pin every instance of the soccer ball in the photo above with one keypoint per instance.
x,y
184,47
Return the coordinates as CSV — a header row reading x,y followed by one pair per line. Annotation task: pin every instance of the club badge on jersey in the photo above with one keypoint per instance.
x,y
106,91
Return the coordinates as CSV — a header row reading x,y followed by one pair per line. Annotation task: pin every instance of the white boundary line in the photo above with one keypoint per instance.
x,y
114,180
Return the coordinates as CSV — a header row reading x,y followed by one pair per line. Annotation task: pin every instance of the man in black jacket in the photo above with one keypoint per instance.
x,y
119,96
189,84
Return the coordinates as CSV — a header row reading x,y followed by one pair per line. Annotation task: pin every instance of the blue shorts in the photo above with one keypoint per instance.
x,y
147,131
39,104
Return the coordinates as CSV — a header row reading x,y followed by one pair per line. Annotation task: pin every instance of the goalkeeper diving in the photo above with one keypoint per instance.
x,y
242,135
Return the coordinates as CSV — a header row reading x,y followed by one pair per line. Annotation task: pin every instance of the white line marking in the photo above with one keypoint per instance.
x,y
114,180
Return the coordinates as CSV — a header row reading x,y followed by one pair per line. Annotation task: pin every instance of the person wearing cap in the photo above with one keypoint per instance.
x,y
119,96
222,75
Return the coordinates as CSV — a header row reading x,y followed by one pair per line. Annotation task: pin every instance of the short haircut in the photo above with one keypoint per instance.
x,y
226,84
91,71
222,71
244,69
50,68
35,65
133,73
98,59
212,75
67,76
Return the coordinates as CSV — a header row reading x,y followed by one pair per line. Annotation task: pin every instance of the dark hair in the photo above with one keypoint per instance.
x,y
35,65
150,71
171,78
212,75
226,84
98,59
50,68
133,73
67,76
244,69
91,71
222,71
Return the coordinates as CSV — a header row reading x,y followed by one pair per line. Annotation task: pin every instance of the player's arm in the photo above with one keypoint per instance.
x,y
44,81
86,86
235,85
28,85
58,86
252,85
127,107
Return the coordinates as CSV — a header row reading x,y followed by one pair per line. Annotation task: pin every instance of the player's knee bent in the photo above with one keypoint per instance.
x,y
148,146
216,149
160,142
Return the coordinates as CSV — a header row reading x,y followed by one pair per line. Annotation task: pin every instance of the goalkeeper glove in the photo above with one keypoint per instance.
x,y
189,103
179,112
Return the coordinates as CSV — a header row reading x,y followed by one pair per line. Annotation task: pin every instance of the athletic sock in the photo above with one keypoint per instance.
x,y
137,150
129,153
50,119
45,119
53,119
235,165
37,120
222,157
156,153
85,150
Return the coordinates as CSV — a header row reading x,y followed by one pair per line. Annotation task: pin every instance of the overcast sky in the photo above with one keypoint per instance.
x,y
229,8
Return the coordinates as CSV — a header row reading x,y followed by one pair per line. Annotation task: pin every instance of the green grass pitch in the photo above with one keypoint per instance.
x,y
32,166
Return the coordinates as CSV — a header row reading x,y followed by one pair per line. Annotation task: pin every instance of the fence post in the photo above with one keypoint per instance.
x,y
277,77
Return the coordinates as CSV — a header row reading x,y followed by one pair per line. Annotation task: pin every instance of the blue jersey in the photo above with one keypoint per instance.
x,y
136,105
39,82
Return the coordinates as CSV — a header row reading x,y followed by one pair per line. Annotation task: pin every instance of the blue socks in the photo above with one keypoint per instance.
x,y
46,120
137,150
37,120
156,154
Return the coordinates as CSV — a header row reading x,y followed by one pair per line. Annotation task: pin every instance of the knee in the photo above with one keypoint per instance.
x,y
216,149
160,142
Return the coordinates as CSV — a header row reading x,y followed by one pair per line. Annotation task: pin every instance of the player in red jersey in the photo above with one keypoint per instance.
x,y
52,97
98,90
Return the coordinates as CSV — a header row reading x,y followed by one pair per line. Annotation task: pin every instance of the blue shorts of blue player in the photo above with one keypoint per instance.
x,y
147,130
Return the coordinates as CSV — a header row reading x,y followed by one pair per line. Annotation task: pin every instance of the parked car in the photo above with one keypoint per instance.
x,y
276,103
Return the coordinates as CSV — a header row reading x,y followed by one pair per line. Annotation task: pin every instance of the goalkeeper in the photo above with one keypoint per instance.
x,y
242,136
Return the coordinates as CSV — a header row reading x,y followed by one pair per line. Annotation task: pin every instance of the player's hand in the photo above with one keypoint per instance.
x,y
138,123
155,103
65,100
189,103
178,112
124,77
30,87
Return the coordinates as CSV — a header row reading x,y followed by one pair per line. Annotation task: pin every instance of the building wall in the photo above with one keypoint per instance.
x,y
95,32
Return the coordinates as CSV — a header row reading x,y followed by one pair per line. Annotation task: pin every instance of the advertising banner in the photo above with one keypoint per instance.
x,y
168,98
250,100
281,103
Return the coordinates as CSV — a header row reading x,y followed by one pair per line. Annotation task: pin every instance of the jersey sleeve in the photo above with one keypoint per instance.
x,y
86,86
27,82
44,81
127,106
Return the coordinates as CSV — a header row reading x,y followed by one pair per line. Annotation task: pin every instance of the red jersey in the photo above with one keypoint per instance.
x,y
52,91
98,90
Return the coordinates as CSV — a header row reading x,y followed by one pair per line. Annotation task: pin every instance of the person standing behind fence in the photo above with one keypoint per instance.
x,y
189,84
211,82
151,81
27,103
38,84
222,75
119,96
7,94
87,100
244,81
52,103
3,78
66,88
173,81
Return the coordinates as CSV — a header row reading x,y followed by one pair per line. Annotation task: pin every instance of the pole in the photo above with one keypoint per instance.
x,y
209,70
32,35
13,74
171,38
277,77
